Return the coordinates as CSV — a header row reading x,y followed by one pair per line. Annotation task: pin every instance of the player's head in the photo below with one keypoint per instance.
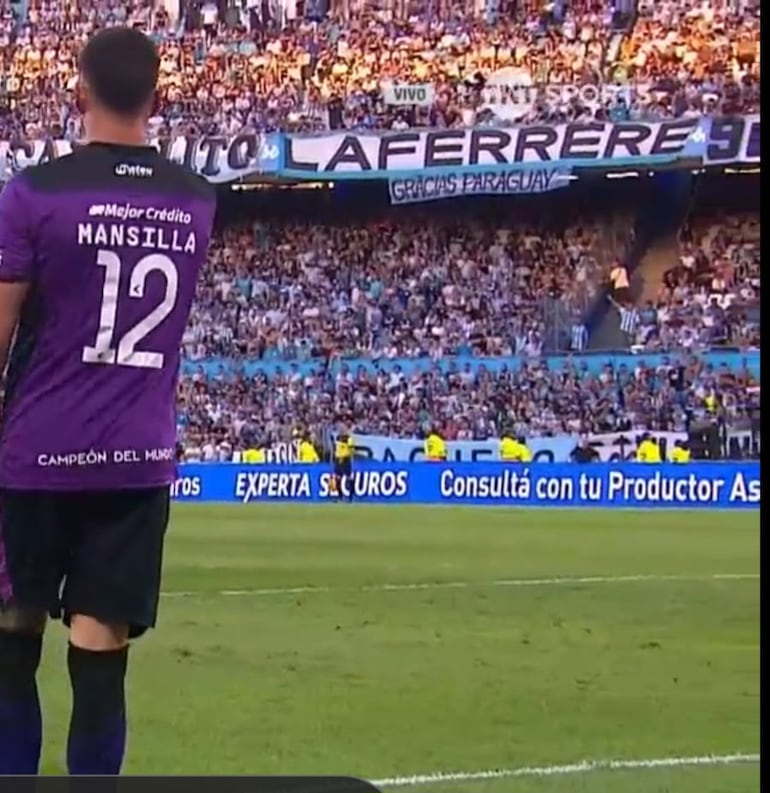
x,y
118,76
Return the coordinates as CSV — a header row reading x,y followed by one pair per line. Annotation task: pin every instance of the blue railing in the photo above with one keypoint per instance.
x,y
592,361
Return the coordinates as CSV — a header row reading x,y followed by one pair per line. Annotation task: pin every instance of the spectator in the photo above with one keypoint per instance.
x,y
712,296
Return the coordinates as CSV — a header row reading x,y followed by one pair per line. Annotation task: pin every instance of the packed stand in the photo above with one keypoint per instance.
x,y
711,298
38,59
387,289
231,411
692,58
225,69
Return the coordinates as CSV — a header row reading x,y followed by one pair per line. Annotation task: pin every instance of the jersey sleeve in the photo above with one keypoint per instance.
x,y
17,246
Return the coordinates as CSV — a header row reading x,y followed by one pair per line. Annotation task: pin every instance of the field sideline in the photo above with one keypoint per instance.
x,y
396,643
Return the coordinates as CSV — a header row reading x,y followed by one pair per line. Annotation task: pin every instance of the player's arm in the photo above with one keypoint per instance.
x,y
17,259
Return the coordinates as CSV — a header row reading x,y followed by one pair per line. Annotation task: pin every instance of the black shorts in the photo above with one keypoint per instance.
x,y
96,553
623,295
343,467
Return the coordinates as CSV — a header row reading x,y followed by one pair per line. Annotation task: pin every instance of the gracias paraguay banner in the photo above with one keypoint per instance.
x,y
684,142
427,187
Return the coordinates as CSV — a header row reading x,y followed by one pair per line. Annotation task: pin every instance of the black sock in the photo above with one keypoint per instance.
x,y
97,736
20,721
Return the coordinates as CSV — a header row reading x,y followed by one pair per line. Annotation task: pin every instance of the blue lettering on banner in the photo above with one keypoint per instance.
x,y
610,446
683,142
382,448
427,187
668,486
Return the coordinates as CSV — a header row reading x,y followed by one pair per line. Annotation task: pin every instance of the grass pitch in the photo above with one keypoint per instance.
x,y
355,673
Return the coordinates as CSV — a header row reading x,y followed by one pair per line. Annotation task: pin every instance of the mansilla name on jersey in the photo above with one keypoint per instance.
x,y
155,228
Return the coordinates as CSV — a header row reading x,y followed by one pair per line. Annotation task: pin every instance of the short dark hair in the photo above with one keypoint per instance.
x,y
120,67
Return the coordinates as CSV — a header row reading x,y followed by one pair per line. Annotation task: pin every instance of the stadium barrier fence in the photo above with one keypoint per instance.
x,y
728,485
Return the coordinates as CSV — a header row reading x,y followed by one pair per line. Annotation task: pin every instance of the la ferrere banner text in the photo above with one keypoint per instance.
x,y
666,486
396,154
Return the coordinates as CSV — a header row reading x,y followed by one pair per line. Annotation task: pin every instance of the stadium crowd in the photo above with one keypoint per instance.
x,y
692,58
231,411
387,289
711,297
260,66
319,295
311,302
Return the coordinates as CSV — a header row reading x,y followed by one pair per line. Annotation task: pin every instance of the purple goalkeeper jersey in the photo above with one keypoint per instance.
x,y
110,240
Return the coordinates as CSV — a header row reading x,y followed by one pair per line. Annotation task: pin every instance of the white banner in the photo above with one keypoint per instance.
x,y
218,159
611,446
693,141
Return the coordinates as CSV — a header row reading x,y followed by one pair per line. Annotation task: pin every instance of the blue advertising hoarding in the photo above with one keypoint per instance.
x,y
667,486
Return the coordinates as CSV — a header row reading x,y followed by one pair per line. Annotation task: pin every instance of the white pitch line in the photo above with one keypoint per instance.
x,y
438,585
582,767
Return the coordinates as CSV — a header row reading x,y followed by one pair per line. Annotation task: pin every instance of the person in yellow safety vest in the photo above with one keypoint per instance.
x,y
344,451
648,450
434,447
514,450
254,456
307,453
680,453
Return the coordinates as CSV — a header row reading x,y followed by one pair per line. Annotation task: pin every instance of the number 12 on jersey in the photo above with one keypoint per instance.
x,y
105,351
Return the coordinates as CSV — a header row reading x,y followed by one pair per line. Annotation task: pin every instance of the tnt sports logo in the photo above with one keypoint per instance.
x,y
510,97
135,171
